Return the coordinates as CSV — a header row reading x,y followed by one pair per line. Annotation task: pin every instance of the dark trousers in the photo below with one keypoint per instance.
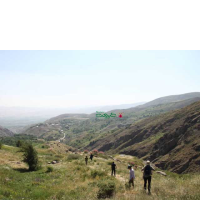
x,y
113,172
149,182
131,182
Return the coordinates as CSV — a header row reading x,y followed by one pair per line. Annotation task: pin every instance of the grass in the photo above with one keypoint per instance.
x,y
71,179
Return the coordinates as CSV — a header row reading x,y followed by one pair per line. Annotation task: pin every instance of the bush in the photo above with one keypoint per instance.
x,y
86,151
95,151
106,189
49,169
99,173
19,143
1,145
30,157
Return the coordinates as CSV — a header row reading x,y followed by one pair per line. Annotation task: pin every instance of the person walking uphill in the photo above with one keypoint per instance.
x,y
147,175
113,168
132,176
86,160
91,156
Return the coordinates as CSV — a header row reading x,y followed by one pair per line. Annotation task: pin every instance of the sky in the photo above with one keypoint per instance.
x,y
95,78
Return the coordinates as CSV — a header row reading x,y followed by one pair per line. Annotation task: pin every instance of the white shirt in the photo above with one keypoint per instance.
x,y
132,174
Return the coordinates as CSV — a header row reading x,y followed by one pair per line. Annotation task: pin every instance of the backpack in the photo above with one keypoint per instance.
x,y
147,171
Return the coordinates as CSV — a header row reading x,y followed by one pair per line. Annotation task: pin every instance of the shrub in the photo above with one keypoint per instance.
x,y
86,151
99,173
30,157
95,151
19,143
106,189
1,145
49,169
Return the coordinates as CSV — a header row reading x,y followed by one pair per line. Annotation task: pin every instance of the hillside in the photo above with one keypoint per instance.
x,y
4,132
71,179
80,129
173,98
171,140
54,128
81,134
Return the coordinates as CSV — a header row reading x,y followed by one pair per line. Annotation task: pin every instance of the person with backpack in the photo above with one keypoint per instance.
x,y
132,176
86,160
147,172
91,156
113,168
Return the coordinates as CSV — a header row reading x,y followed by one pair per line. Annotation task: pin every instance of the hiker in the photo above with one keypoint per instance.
x,y
132,176
113,168
86,160
147,175
91,156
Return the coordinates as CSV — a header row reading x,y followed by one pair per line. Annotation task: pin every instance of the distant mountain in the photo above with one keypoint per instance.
x,y
170,140
16,118
173,98
5,132
112,107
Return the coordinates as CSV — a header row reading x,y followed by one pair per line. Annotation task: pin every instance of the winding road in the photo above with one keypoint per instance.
x,y
61,138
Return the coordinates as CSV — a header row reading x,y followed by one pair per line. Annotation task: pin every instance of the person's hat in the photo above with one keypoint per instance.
x,y
148,162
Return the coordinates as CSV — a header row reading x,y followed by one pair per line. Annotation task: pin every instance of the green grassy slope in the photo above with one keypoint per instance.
x,y
72,179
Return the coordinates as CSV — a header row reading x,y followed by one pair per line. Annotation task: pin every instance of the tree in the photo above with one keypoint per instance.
x,y
19,143
30,157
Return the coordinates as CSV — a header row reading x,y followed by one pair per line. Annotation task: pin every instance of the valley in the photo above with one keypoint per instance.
x,y
165,131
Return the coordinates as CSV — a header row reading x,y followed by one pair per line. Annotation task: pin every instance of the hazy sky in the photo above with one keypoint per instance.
x,y
89,78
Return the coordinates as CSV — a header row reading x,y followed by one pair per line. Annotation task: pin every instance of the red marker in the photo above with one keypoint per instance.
x,y
120,115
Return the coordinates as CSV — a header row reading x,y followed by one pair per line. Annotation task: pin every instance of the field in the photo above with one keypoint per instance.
x,y
70,178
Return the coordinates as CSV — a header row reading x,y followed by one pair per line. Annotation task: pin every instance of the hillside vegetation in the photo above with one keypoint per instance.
x,y
171,140
81,129
71,179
